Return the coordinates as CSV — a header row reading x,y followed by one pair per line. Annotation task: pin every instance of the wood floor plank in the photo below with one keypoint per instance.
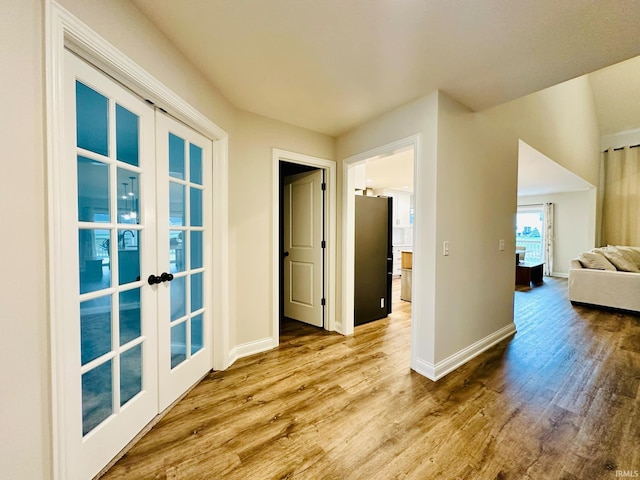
x,y
559,400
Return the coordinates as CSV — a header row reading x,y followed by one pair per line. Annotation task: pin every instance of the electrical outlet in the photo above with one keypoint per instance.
x,y
501,245
382,302
445,248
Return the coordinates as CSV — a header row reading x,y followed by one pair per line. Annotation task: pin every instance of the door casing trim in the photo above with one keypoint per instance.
x,y
330,168
348,228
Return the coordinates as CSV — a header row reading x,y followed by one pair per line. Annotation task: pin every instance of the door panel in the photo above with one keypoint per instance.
x,y
109,341
184,160
303,234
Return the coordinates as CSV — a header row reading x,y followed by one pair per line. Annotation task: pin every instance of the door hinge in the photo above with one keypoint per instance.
x,y
323,244
323,301
324,186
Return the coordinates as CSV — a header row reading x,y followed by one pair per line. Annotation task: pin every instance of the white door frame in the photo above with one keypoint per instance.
x,y
63,30
329,166
348,226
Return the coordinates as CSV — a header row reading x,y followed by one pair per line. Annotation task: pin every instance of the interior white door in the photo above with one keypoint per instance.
x,y
304,255
108,379
184,166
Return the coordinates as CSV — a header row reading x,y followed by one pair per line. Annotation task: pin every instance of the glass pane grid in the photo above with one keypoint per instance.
x,y
128,346
126,166
83,152
187,234
109,235
107,357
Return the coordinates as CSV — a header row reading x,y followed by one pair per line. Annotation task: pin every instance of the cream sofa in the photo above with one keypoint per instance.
x,y
608,287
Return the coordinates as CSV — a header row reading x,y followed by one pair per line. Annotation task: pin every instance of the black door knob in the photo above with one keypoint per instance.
x,y
286,254
166,277
153,279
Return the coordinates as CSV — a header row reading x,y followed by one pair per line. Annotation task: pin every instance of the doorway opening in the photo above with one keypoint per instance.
x,y
304,242
384,217
380,172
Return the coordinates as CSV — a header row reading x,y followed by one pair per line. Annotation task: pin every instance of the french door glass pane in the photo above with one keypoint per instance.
x,y
92,120
176,205
186,237
195,164
178,298
176,251
130,325
176,157
128,188
126,136
196,334
178,344
128,256
94,252
196,207
130,373
93,190
196,292
95,328
196,249
97,396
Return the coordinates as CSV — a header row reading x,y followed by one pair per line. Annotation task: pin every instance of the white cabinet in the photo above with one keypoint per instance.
x,y
402,223
402,210
360,176
402,206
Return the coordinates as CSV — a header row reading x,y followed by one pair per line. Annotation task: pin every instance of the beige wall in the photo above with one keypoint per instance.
x,y
465,187
250,215
25,418
560,122
476,201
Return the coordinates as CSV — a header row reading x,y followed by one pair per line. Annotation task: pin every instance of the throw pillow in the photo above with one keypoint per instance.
x,y
620,261
630,254
595,260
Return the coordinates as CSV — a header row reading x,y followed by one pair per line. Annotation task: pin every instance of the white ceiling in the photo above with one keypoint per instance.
x,y
329,65
394,172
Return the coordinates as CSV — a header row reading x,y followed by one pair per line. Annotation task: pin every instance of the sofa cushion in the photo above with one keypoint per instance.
x,y
620,260
595,260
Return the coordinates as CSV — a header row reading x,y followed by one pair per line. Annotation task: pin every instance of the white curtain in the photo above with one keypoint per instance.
x,y
548,239
621,197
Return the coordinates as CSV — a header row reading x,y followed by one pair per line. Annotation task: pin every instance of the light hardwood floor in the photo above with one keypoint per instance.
x,y
559,400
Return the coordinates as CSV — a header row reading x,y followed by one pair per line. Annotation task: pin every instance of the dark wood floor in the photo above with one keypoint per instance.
x,y
559,400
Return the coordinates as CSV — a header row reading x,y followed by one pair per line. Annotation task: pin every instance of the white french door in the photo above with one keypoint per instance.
x,y
183,204
136,329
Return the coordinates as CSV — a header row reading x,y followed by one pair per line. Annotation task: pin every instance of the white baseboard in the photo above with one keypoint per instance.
x,y
560,274
449,364
250,348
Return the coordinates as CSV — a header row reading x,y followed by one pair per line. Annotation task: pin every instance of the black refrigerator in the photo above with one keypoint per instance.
x,y
374,258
